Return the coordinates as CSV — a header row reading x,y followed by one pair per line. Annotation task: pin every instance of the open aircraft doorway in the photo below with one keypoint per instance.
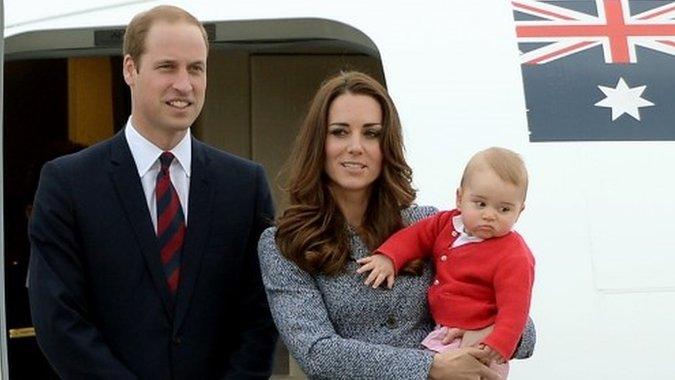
x,y
64,90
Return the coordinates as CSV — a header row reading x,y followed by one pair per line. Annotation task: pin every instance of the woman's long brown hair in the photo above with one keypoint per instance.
x,y
312,232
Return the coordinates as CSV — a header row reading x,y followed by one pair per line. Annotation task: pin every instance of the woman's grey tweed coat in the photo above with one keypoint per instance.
x,y
338,328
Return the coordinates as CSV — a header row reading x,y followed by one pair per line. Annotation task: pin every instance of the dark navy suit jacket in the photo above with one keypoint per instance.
x,y
99,299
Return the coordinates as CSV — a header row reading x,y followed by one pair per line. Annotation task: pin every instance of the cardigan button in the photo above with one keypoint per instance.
x,y
436,282
391,322
454,234
444,258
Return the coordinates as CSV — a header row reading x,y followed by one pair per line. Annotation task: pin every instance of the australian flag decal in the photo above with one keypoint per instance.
x,y
598,70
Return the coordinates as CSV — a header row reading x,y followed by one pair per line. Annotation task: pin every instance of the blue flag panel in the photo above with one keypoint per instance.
x,y
598,70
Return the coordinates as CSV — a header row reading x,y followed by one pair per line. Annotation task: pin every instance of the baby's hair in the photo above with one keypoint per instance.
x,y
507,164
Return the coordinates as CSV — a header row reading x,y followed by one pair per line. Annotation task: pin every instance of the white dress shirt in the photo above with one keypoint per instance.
x,y
463,237
146,155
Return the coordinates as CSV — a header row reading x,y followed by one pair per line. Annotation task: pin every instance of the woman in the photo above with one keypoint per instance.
x,y
350,188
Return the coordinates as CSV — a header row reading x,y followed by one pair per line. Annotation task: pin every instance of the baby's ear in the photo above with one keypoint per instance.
x,y
458,196
522,208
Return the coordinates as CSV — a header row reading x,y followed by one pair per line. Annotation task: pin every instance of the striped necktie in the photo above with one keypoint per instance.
x,y
170,223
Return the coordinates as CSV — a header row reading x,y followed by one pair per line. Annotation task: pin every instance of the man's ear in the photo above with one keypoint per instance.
x,y
129,70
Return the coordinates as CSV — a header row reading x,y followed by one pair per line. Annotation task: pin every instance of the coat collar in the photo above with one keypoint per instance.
x,y
127,182
130,193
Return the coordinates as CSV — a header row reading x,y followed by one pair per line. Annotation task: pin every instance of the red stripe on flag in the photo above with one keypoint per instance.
x,y
539,10
559,52
656,14
595,30
617,32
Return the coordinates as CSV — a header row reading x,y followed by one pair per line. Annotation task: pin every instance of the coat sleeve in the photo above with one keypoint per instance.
x,y
304,325
258,336
57,287
528,340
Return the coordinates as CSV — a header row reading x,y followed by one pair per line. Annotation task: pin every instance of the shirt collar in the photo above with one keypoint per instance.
x,y
458,225
146,153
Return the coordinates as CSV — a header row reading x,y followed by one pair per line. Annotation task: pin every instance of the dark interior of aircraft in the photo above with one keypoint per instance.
x,y
36,130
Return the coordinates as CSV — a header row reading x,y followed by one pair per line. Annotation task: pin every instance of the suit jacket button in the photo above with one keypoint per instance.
x,y
177,340
391,322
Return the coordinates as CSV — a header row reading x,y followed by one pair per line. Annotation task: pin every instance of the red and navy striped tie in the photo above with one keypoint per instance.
x,y
170,223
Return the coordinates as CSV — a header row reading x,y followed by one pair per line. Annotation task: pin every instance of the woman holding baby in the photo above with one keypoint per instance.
x,y
350,189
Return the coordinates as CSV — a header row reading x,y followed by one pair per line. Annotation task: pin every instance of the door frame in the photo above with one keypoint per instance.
x,y
4,364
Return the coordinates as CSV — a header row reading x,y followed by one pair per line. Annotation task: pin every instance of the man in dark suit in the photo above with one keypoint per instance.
x,y
143,246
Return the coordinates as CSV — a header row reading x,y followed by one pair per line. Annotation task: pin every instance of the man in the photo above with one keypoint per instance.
x,y
143,246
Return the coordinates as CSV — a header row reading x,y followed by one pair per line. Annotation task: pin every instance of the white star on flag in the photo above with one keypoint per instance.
x,y
624,99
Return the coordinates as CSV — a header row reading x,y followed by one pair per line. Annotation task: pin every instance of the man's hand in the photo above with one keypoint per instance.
x,y
381,268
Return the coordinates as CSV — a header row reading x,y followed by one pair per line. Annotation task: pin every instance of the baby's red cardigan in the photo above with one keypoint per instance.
x,y
477,284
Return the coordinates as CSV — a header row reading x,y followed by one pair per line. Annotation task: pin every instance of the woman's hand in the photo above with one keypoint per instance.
x,y
492,355
462,364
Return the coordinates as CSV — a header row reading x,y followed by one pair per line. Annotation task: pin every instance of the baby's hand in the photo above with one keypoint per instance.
x,y
492,355
451,334
472,338
381,268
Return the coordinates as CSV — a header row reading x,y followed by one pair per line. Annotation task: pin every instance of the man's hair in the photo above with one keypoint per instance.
x,y
136,33
505,163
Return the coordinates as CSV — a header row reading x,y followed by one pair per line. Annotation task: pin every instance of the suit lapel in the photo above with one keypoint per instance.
x,y
198,229
130,191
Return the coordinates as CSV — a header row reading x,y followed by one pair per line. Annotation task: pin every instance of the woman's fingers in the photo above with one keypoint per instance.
x,y
488,373
462,364
485,371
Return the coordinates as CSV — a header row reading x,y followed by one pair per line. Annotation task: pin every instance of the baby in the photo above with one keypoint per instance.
x,y
484,269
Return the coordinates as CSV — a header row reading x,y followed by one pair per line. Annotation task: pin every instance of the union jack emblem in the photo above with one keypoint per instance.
x,y
565,31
